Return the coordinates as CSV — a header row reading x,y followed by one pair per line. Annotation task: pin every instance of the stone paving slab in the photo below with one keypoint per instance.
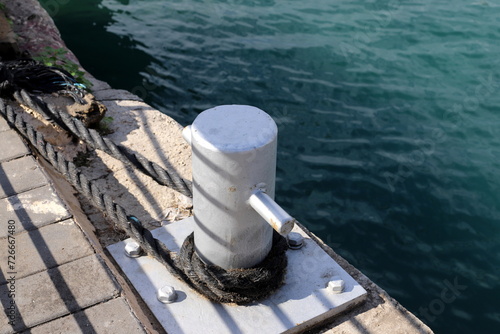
x,y
57,292
32,209
107,318
19,175
12,146
45,248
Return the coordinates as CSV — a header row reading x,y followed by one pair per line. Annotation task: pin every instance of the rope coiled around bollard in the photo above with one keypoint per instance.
x,y
240,286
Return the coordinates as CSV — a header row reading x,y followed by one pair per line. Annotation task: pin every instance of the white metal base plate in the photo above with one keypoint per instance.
x,y
303,301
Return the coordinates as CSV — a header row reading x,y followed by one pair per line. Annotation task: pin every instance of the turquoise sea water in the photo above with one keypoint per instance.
x,y
388,116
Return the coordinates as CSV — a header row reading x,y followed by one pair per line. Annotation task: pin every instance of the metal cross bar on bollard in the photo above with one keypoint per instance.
x,y
234,171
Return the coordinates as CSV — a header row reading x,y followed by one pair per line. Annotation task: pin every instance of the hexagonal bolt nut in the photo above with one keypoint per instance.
x,y
133,249
295,240
336,285
166,294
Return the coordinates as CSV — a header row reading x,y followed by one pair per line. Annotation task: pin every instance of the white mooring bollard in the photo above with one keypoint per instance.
x,y
234,171
234,166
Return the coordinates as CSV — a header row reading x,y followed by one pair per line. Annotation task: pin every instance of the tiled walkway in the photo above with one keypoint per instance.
x,y
51,280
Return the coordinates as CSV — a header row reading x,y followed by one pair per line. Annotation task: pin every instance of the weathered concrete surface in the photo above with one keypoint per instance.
x,y
32,27
105,318
3,125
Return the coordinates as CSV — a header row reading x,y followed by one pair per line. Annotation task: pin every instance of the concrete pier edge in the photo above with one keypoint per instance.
x,y
136,123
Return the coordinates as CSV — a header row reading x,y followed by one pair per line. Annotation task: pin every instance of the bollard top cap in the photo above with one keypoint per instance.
x,y
233,128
